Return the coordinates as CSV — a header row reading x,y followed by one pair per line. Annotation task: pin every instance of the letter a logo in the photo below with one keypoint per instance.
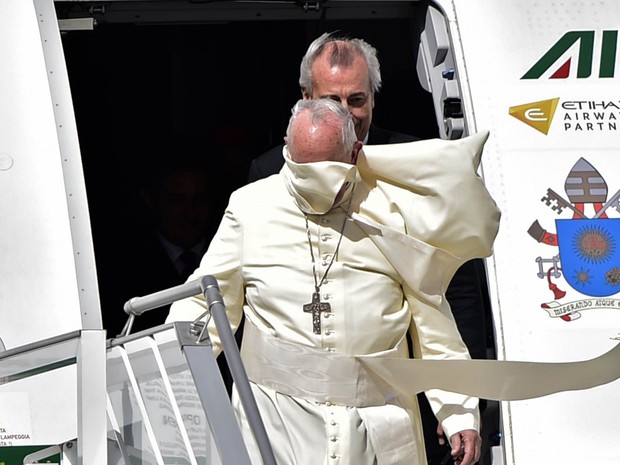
x,y
577,46
538,115
585,39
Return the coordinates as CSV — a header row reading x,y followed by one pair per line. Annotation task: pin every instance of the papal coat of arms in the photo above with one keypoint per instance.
x,y
587,244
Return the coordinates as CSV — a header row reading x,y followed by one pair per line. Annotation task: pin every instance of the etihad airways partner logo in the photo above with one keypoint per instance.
x,y
538,115
576,115
557,61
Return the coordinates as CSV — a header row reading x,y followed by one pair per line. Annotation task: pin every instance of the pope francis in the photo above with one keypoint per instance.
x,y
343,253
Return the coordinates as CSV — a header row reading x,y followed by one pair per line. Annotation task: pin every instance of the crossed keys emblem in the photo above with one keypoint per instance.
x,y
589,255
558,204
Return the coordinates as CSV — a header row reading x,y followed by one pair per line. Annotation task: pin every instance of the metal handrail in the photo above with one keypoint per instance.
x,y
208,286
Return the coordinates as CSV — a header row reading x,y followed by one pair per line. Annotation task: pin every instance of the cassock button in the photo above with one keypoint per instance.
x,y
333,456
328,403
333,438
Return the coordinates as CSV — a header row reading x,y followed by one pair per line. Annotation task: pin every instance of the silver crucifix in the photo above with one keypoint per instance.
x,y
316,307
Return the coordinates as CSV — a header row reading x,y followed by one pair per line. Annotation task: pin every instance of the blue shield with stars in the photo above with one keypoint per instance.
x,y
590,255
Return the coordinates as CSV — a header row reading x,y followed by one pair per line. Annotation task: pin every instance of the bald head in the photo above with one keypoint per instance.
x,y
321,130
313,140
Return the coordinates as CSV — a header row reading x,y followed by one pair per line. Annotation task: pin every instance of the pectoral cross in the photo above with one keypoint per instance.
x,y
316,307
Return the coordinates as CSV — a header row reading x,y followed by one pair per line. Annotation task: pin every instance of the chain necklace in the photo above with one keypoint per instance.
x,y
316,306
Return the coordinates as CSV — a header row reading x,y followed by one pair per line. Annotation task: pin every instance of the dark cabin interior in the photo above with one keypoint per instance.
x,y
152,74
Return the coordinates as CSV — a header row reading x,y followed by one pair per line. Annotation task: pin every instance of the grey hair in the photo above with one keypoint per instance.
x,y
342,53
320,111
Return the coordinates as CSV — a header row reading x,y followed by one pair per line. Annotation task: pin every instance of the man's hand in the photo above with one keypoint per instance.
x,y
466,447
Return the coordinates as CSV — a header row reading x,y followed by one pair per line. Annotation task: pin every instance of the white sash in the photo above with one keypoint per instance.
x,y
312,374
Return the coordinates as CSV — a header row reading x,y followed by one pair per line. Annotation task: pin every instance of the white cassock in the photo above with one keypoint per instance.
x,y
412,214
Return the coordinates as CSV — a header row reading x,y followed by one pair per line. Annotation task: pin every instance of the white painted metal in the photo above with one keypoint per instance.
x,y
92,446
495,44
48,286
47,274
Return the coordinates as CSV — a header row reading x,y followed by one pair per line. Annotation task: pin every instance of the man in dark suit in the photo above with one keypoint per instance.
x,y
347,70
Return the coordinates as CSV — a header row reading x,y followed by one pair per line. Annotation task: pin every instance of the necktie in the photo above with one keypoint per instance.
x,y
189,262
